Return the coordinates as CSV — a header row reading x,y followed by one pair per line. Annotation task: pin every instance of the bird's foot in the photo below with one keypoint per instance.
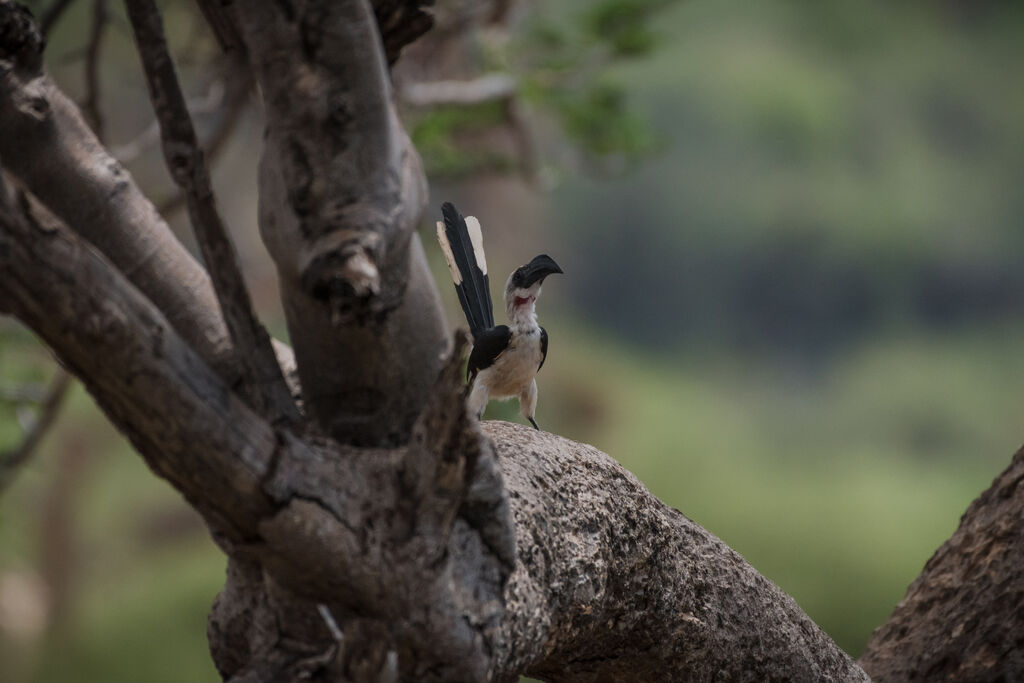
x,y
534,423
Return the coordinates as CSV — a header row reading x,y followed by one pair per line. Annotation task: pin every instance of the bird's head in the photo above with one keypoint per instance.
x,y
523,286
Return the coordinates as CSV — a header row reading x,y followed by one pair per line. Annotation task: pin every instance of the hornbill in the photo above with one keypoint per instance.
x,y
505,358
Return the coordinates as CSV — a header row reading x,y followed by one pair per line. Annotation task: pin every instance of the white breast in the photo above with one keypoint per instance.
x,y
514,369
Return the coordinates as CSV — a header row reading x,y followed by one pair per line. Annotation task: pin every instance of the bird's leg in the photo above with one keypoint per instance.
x,y
528,403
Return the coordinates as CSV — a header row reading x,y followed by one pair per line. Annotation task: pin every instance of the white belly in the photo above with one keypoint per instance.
x,y
514,369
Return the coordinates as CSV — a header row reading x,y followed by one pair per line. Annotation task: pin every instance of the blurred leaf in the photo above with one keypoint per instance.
x,y
624,25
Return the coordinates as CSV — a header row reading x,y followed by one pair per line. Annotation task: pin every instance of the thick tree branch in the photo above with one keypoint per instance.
x,y
51,149
612,585
409,545
262,383
177,413
341,190
961,619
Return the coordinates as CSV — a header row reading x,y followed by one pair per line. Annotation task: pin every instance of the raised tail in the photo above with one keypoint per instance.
x,y
463,247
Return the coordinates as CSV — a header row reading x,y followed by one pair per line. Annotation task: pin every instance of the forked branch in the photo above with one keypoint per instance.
x,y
341,191
49,147
262,381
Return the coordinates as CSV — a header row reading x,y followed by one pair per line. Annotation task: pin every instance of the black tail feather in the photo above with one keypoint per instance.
x,y
474,290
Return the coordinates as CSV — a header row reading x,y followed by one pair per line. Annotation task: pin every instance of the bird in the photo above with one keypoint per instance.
x,y
505,358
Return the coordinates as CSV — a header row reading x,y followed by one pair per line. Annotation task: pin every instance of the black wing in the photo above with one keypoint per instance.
x,y
543,348
486,348
475,288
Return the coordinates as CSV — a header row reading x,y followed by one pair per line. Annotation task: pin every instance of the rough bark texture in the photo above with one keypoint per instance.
x,y
613,585
341,192
386,538
409,547
192,429
46,143
262,382
963,618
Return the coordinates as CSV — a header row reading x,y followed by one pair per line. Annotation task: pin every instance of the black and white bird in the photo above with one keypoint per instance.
x,y
505,358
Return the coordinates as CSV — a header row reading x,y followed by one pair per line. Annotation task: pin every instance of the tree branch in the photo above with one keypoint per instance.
x,y
238,83
49,147
408,546
262,383
91,105
341,190
400,22
961,618
177,413
12,461
612,585
460,93
411,549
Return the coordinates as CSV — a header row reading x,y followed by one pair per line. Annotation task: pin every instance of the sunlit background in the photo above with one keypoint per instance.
x,y
792,306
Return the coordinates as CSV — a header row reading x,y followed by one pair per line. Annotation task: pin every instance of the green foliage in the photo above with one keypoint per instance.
x,y
563,66
599,120
437,135
565,69
623,26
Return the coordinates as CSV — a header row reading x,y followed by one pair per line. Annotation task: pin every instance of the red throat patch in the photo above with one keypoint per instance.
x,y
522,301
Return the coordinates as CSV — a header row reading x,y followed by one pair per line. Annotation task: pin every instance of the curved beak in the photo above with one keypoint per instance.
x,y
539,268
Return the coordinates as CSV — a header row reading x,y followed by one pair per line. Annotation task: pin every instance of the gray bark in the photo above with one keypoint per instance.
x,y
962,619
341,193
262,382
410,546
47,144
613,585
439,551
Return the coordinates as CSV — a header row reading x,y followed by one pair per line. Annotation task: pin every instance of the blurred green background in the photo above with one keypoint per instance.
x,y
792,303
